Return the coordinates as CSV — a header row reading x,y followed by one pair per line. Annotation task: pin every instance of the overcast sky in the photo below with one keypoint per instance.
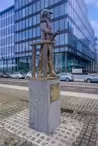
x,y
92,6
5,3
93,13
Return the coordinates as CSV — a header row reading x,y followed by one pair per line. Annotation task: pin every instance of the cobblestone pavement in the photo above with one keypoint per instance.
x,y
64,135
10,106
80,105
89,133
79,124
9,139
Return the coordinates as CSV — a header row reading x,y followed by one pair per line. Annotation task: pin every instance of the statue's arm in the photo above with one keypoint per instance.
x,y
45,29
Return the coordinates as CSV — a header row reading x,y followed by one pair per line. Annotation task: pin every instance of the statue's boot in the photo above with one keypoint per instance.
x,y
40,74
51,68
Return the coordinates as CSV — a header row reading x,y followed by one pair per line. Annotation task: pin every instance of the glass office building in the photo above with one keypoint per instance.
x,y
7,56
75,43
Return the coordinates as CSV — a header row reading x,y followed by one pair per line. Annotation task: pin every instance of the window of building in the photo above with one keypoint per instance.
x,y
34,32
26,34
34,20
56,12
27,23
42,4
51,2
62,24
57,40
23,13
27,11
30,21
38,6
23,24
46,3
34,7
56,26
66,38
30,1
59,61
66,7
61,10
62,39
38,18
30,9
30,33
38,31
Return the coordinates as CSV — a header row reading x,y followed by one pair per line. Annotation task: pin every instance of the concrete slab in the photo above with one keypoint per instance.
x,y
65,134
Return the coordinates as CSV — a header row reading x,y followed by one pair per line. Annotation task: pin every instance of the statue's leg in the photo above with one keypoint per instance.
x,y
40,63
50,62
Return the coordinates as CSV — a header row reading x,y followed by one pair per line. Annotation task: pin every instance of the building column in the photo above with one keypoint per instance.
x,y
89,67
66,62
93,66
86,67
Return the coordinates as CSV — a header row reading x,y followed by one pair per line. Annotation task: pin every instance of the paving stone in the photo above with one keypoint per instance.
x,y
91,144
93,140
85,141
66,132
83,144
81,105
85,111
21,142
87,134
86,137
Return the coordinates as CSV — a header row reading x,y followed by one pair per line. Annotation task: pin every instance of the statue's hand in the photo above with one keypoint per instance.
x,y
55,42
58,31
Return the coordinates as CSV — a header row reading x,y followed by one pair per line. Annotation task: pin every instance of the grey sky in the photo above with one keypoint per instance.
x,y
5,4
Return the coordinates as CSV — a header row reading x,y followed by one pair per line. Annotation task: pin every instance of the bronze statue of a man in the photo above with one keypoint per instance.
x,y
47,34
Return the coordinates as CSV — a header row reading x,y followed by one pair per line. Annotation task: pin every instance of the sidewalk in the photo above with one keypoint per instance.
x,y
79,80
79,123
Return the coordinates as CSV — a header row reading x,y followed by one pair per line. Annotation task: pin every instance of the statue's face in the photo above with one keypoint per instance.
x,y
49,16
46,13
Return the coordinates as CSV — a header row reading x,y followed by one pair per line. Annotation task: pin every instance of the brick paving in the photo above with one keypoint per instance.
x,y
80,105
88,135
78,109
85,110
65,133
9,139
10,106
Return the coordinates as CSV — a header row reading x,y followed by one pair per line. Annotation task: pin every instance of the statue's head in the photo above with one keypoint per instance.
x,y
46,13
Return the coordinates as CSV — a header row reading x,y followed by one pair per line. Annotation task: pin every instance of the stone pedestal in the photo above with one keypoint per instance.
x,y
44,104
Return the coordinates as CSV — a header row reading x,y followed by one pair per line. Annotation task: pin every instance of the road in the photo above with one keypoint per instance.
x,y
81,87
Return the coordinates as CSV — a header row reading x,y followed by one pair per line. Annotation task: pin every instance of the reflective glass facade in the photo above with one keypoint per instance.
x,y
75,43
7,55
27,29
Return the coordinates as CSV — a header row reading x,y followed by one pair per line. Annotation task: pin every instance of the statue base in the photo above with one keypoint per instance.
x,y
44,104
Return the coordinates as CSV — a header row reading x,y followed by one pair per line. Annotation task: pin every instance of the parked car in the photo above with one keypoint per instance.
x,y
29,75
1,75
91,78
17,75
66,77
6,75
